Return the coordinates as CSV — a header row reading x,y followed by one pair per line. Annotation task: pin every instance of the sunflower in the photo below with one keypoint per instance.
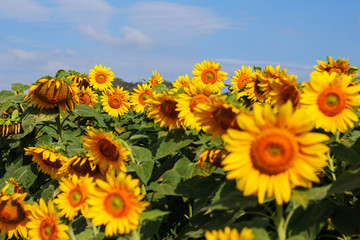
x,y
155,79
75,191
253,91
105,150
230,234
81,166
330,100
162,109
48,161
209,73
139,97
188,100
274,153
11,129
49,92
115,101
181,82
87,96
45,223
241,79
81,80
14,214
116,203
338,66
217,117
101,77
210,158
284,89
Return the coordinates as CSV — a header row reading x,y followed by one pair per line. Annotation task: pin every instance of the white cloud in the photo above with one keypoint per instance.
x,y
27,10
53,66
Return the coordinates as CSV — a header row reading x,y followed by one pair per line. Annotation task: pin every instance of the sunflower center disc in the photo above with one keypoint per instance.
x,y
75,197
331,102
115,205
242,81
143,98
273,151
224,117
115,101
11,212
100,78
108,149
47,229
84,98
208,77
168,108
290,92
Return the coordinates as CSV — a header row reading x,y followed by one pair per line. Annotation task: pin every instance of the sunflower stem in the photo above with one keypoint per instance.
x,y
337,136
291,213
71,232
280,223
331,166
58,123
128,148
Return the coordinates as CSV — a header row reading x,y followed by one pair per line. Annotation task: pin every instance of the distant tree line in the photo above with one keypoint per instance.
x,y
131,85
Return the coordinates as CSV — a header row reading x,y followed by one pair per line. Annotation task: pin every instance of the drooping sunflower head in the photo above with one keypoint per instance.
x,y
210,158
45,222
230,234
81,80
80,165
155,79
48,160
162,109
14,214
330,100
274,153
74,193
241,79
257,89
105,150
208,72
49,92
87,96
284,89
140,96
338,66
101,77
115,101
117,204
181,82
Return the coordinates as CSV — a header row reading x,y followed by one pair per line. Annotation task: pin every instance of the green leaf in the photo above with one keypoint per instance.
x,y
185,168
99,236
19,87
170,181
260,234
346,219
83,110
347,181
152,214
47,193
143,170
85,235
159,88
141,154
26,175
171,144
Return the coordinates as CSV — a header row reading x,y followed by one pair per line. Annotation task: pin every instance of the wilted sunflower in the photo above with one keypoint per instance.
x,y
162,108
81,166
338,66
189,99
49,92
155,79
45,222
14,214
230,234
285,89
330,100
81,80
72,199
115,101
274,153
139,97
209,73
48,161
105,150
217,116
241,79
117,204
100,77
87,96
181,82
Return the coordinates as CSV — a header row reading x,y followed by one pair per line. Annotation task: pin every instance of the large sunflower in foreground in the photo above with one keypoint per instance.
x,y
105,150
181,82
50,92
100,77
45,223
75,191
155,79
330,100
87,96
162,108
338,66
117,204
229,234
14,214
274,153
208,72
139,97
241,79
48,161
115,101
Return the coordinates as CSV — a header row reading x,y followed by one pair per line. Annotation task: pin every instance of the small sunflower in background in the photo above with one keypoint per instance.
x,y
117,204
100,77
50,92
115,101
210,158
230,234
105,150
208,72
45,222
48,160
181,82
155,79
74,193
272,154
81,80
241,79
139,97
338,66
14,213
87,96
330,100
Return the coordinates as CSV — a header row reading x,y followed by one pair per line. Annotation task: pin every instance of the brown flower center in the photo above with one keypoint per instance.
x,y
108,149
242,81
48,230
84,98
331,102
100,78
11,212
209,76
273,151
168,108
225,118
290,92
56,164
54,93
115,101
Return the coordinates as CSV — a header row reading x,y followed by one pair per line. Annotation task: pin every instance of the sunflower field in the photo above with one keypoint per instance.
x,y
265,157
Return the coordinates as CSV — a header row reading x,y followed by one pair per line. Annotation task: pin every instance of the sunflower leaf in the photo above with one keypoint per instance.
x,y
83,110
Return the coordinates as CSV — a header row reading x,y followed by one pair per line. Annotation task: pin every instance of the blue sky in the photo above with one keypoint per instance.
x,y
134,38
